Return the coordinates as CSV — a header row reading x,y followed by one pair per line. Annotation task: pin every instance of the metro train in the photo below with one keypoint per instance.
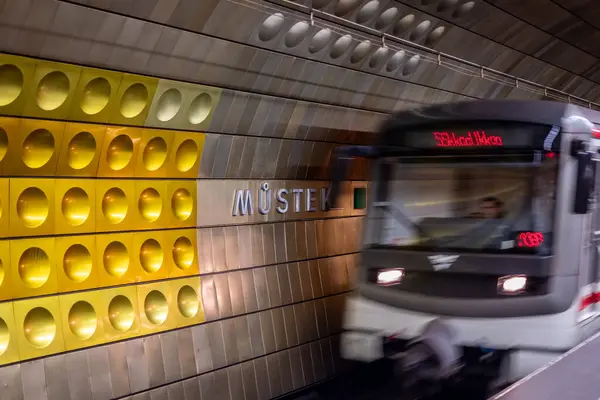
x,y
480,246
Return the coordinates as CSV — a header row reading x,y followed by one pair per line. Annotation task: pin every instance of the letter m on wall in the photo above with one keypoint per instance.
x,y
242,202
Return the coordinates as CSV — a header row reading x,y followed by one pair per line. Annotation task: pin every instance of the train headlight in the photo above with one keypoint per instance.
x,y
512,284
389,277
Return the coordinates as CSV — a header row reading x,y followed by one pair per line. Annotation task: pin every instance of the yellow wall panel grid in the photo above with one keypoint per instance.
x,y
182,203
6,287
9,349
157,309
39,330
75,210
183,252
15,77
81,319
34,150
51,91
115,205
81,148
4,207
152,205
152,158
115,259
184,160
187,296
76,263
31,207
9,132
96,90
119,152
150,254
133,101
120,313
33,267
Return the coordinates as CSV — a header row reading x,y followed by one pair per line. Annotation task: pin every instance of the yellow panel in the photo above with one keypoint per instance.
x,y
31,207
114,255
187,298
34,150
9,132
120,313
39,327
75,210
150,255
51,91
76,263
16,75
185,156
152,205
133,101
96,91
6,287
119,152
9,349
4,207
198,107
182,203
80,153
157,310
115,205
153,154
81,316
182,252
33,267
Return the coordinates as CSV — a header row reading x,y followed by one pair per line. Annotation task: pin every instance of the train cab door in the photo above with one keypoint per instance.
x,y
590,277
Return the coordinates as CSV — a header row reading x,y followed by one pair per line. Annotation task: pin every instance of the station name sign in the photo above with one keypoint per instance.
x,y
300,200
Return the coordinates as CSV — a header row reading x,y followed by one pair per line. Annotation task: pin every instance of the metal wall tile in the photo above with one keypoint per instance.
x,y
321,317
284,284
311,239
300,237
262,378
267,331
325,274
296,364
343,242
175,391
285,371
295,286
202,348
230,234
141,396
312,332
99,372
268,236
294,160
281,341
282,170
261,162
236,383
119,371
274,374
339,364
170,354
237,148
216,344
305,157
35,386
218,249
331,236
291,330
208,388
301,317
274,291
236,291
137,363
187,360
209,152
280,243
191,389
156,367
231,122
290,241
159,394
317,361
321,238
243,340
259,276
249,291
245,164
249,381
223,295
232,354
255,335
57,381
327,353
315,278
333,308
245,249
205,256
209,298
305,282
258,253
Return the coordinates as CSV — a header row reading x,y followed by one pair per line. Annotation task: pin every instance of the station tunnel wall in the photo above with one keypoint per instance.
x,y
132,263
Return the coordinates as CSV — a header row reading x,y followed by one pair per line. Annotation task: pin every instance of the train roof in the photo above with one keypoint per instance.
x,y
540,112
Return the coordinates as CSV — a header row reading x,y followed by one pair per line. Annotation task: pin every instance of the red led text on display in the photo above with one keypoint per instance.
x,y
470,139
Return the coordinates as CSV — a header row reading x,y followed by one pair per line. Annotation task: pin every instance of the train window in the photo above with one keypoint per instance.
x,y
507,209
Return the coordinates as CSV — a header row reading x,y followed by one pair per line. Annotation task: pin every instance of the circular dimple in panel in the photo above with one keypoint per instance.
x,y
156,307
116,259
187,302
75,206
121,313
341,46
83,320
343,7
186,155
320,3
411,65
3,143
119,152
155,154
296,34
38,148
81,150
168,105
1,272
39,327
96,96
151,256
367,12
52,91
404,24
11,84
386,18
77,263
445,5
4,337
32,207
271,27
378,58
360,51
182,204
199,108
134,100
34,267
114,205
395,61
420,30
463,9
183,253
435,35
150,204
320,40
